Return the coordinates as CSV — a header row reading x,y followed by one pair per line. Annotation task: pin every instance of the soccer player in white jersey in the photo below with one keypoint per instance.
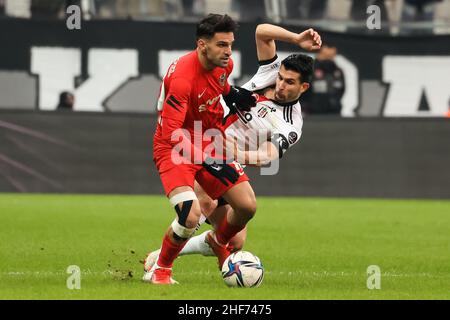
x,y
279,85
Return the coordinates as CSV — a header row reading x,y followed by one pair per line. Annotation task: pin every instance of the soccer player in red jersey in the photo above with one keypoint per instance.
x,y
190,92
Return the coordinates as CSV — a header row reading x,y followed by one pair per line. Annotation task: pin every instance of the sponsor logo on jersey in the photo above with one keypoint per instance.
x,y
210,102
292,137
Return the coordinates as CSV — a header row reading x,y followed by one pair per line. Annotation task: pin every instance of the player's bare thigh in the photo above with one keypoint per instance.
x,y
241,197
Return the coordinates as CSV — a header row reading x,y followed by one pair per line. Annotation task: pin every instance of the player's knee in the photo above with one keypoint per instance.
x,y
188,215
192,220
247,208
208,206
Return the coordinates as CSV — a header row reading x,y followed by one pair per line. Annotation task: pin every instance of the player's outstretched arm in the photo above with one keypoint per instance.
x,y
266,35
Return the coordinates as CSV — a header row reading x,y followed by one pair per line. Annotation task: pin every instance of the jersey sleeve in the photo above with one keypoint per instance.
x,y
176,101
286,136
175,105
266,75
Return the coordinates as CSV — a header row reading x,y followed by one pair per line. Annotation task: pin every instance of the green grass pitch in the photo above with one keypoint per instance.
x,y
312,248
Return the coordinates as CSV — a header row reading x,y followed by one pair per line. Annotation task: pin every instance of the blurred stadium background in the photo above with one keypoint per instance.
x,y
389,138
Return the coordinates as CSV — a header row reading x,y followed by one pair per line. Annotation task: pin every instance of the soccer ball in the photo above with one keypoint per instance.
x,y
242,269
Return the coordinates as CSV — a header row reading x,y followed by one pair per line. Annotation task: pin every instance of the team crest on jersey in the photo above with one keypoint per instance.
x,y
262,112
292,137
222,79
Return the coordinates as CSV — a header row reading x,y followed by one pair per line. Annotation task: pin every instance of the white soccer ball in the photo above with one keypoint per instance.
x,y
242,269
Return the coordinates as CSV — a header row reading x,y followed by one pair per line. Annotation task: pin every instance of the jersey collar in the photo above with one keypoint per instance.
x,y
286,104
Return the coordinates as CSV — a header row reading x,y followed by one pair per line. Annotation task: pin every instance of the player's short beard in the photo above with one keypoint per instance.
x,y
285,99
215,62
279,98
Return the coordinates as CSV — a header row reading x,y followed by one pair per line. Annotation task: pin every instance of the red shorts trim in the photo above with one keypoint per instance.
x,y
213,186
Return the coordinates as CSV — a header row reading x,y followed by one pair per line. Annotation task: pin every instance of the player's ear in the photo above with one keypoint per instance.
x,y
304,86
201,43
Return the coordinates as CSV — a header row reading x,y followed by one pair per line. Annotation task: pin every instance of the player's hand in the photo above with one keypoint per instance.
x,y
240,99
222,171
309,40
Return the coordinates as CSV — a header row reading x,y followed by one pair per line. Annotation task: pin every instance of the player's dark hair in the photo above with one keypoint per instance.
x,y
302,64
214,23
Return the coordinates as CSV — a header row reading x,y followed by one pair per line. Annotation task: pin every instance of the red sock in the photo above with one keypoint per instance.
x,y
226,231
169,252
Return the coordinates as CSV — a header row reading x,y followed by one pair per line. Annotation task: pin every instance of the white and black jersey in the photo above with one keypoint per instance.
x,y
269,120
266,76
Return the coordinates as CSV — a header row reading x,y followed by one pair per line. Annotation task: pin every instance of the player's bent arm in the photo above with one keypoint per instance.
x,y
266,35
266,153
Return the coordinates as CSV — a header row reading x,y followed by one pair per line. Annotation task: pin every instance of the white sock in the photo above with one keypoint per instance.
x,y
197,245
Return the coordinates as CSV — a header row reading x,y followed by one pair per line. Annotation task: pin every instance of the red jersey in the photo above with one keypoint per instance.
x,y
188,88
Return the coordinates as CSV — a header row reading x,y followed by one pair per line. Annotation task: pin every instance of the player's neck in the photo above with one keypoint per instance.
x,y
204,62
